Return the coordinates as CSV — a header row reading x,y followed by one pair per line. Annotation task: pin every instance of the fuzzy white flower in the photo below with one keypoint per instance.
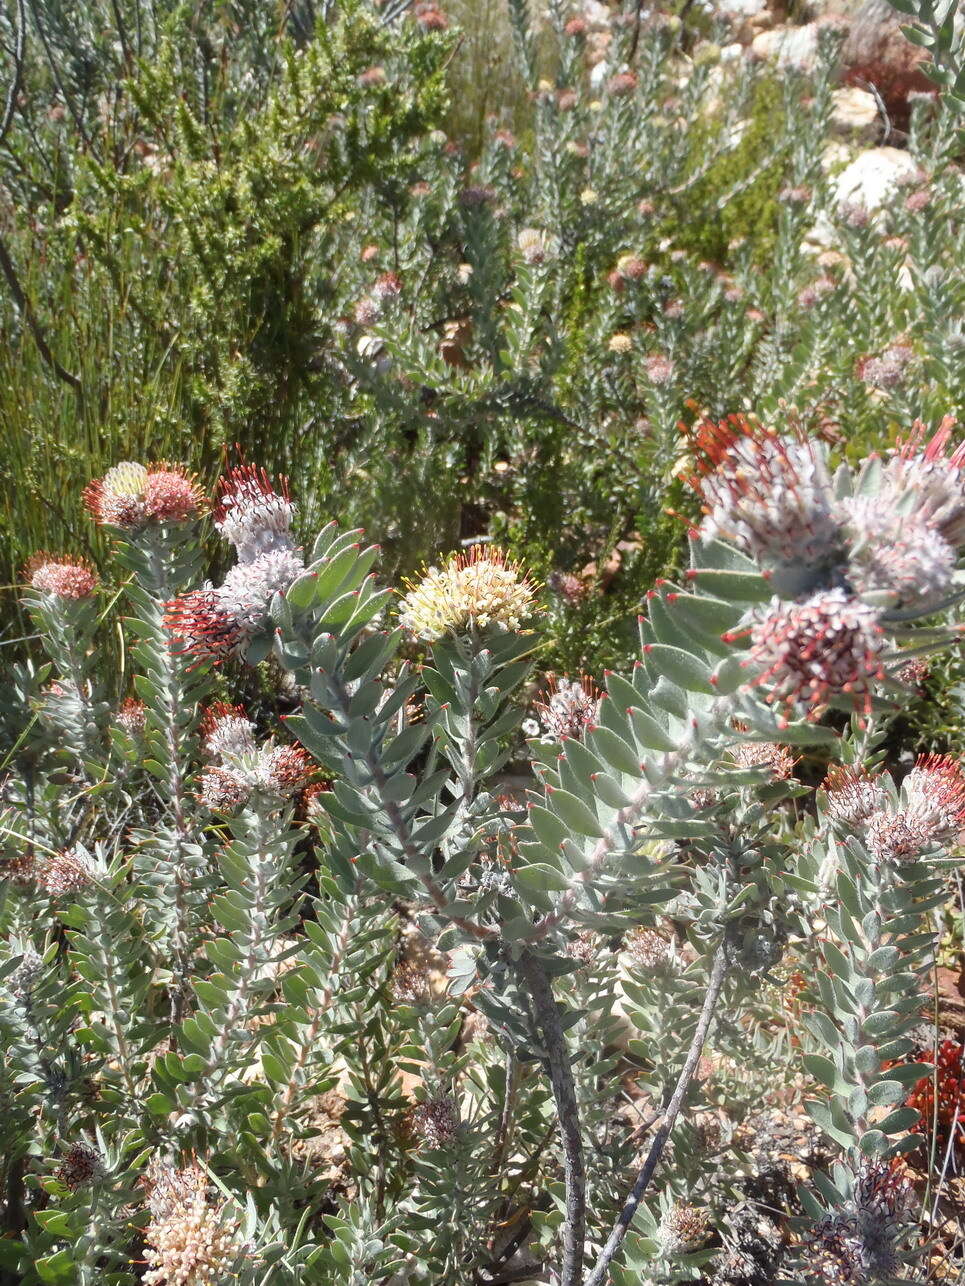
x,y
473,591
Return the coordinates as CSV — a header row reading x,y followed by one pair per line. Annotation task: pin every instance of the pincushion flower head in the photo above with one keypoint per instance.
x,y
217,622
252,514
899,557
61,576
860,1242
770,496
226,730
809,651
933,798
566,708
188,1241
922,479
66,873
929,811
476,590
132,496
243,768
536,246
853,796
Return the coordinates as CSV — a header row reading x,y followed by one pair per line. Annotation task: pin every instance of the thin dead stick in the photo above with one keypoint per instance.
x,y
716,982
547,1015
14,91
25,308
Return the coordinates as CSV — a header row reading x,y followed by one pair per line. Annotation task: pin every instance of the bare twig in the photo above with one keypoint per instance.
x,y
55,72
601,1270
547,1016
30,317
13,92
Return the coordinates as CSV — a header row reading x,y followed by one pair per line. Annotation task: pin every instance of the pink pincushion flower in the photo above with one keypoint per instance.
x,y
659,369
809,651
131,716
171,496
887,370
431,19
132,496
622,85
61,575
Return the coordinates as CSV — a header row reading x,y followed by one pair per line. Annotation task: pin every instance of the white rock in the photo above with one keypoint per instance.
x,y
873,177
795,47
854,111
742,8
870,181
746,17
835,156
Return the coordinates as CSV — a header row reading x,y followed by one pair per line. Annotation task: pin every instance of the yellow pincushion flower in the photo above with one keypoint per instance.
x,y
473,591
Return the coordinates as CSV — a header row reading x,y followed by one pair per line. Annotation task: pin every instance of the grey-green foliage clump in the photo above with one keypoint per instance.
x,y
327,998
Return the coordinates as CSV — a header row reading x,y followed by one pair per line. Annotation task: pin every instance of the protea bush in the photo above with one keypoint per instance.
x,y
347,949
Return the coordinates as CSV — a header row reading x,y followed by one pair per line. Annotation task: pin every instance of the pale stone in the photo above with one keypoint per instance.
x,y
746,17
791,47
855,111
873,177
835,156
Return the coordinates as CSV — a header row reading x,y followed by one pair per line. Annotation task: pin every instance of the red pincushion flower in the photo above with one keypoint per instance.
x,y
949,1113
200,621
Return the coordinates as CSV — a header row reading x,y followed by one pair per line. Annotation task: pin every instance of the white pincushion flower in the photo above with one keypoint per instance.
x,y
248,588
536,246
770,496
899,554
251,514
189,1242
226,731
567,708
218,622
473,591
927,483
